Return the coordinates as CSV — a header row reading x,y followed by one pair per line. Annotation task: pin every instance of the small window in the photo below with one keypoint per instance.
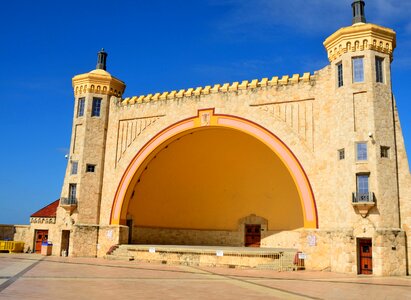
x,y
80,107
341,154
95,110
358,69
379,63
74,167
385,151
90,168
72,191
362,151
340,74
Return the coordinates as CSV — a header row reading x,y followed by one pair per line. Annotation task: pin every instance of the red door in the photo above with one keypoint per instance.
x,y
365,255
252,235
41,236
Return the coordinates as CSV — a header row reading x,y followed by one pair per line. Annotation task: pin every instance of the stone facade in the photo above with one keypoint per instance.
x,y
313,123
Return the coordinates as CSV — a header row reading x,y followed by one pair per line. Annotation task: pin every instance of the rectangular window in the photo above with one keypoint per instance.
x,y
362,187
362,151
74,167
95,110
385,151
72,191
80,107
379,63
341,154
90,168
358,69
340,75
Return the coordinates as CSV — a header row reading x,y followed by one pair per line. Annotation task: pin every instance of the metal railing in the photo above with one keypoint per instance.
x,y
232,257
362,197
68,201
11,246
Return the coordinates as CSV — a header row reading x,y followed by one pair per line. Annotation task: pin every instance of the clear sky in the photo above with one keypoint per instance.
x,y
154,46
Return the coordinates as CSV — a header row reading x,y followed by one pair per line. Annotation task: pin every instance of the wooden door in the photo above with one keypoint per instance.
x,y
252,235
365,256
41,236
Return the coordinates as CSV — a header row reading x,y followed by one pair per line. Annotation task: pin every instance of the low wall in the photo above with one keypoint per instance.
x,y
111,235
171,236
20,233
167,236
6,232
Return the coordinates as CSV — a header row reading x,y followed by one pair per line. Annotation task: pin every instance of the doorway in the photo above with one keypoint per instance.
x,y
41,236
252,235
365,256
65,242
130,232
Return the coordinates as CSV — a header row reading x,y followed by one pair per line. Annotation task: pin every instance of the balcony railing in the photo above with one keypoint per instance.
x,y
68,201
363,197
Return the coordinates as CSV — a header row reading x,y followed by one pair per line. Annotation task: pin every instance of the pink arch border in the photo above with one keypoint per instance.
x,y
228,121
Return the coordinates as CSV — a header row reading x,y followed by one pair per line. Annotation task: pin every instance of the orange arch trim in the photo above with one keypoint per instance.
x,y
208,118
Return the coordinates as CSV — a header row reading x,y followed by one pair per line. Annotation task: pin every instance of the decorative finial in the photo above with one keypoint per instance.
x,y
358,11
101,59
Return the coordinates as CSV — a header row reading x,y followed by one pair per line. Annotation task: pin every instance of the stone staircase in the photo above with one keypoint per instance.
x,y
119,252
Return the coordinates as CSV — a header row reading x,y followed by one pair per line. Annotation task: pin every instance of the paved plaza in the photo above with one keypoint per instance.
x,y
30,276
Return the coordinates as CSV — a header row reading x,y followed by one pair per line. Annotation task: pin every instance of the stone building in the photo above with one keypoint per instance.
x,y
314,162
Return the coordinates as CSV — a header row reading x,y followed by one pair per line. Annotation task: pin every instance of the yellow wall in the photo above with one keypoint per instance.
x,y
211,178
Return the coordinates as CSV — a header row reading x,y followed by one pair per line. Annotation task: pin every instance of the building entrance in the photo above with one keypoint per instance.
x,y
252,235
365,256
41,236
65,241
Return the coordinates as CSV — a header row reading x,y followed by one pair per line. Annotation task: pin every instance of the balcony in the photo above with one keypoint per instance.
x,y
69,203
363,202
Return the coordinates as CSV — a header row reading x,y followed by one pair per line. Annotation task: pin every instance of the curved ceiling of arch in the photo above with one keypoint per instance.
x,y
209,179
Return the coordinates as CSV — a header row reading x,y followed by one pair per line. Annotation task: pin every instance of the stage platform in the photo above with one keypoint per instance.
x,y
233,257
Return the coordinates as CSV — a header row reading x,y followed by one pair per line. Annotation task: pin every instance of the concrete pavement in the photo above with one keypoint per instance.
x,y
30,276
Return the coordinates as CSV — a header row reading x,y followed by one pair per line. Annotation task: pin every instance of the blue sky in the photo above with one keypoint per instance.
x,y
153,46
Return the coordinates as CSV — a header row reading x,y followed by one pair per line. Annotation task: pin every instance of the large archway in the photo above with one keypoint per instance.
x,y
210,171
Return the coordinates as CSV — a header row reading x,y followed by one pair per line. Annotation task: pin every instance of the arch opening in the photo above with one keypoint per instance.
x,y
201,183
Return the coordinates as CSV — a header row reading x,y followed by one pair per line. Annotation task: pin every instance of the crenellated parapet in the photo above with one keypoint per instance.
x,y
360,37
98,82
221,88
43,220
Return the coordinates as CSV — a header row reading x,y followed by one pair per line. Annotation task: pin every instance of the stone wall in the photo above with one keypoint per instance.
x,y
7,232
404,177
165,236
235,238
389,250
83,241
22,233
336,250
19,233
110,236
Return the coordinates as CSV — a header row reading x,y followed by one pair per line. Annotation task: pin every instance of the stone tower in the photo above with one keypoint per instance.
x,y
360,59
81,192
361,56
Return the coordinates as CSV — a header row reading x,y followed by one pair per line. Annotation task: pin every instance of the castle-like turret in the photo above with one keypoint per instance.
x,y
360,57
81,193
